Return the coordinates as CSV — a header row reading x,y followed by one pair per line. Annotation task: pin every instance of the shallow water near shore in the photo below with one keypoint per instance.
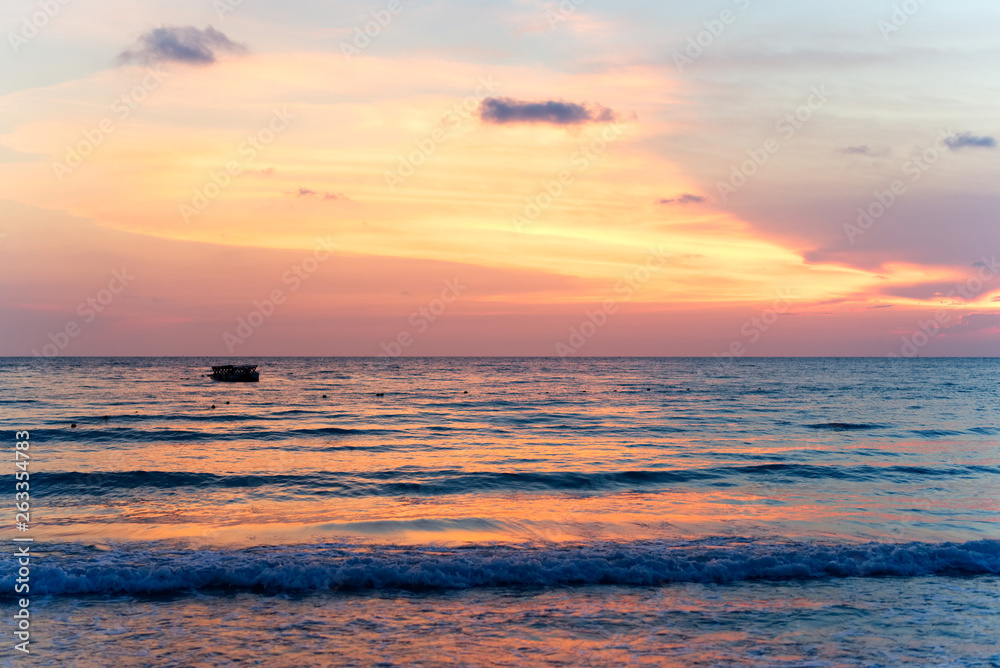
x,y
835,622
513,511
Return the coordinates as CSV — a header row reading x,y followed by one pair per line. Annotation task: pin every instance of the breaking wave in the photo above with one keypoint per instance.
x,y
151,568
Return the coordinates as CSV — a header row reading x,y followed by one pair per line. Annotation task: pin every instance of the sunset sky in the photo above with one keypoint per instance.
x,y
499,178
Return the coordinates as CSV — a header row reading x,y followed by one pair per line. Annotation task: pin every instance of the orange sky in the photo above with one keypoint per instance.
x,y
209,165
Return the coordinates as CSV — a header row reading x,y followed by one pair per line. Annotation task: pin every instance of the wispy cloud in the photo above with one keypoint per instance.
x,y
864,149
180,44
975,322
501,110
308,192
686,198
967,139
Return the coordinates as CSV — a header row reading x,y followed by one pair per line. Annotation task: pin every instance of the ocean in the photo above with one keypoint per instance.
x,y
507,512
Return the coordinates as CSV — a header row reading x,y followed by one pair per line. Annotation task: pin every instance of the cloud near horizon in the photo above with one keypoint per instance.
x,y
501,110
180,44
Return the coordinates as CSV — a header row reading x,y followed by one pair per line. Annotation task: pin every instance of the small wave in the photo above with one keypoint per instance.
x,y
843,426
332,431
116,435
409,481
150,569
114,481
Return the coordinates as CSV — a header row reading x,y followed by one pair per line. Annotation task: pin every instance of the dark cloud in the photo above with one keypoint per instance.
x,y
505,110
967,139
180,44
686,198
864,149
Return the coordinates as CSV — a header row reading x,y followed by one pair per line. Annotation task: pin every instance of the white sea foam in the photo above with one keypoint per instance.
x,y
156,568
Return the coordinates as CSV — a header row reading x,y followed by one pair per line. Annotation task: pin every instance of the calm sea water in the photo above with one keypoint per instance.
x,y
511,511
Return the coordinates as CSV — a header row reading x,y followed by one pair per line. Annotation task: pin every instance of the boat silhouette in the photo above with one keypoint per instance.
x,y
235,373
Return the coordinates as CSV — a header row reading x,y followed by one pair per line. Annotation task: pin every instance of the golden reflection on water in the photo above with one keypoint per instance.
x,y
426,463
